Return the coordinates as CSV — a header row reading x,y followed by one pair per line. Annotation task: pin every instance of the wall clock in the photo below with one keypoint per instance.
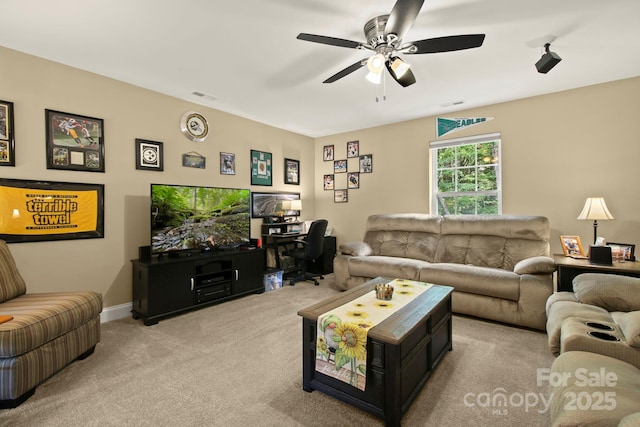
x,y
194,126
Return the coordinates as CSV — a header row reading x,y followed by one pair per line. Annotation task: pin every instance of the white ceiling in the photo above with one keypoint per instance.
x,y
245,53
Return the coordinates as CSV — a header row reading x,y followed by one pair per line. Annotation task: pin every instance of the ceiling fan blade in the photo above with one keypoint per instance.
x,y
407,79
329,40
447,44
402,17
350,69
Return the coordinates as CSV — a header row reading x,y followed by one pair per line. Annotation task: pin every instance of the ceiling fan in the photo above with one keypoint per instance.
x,y
385,35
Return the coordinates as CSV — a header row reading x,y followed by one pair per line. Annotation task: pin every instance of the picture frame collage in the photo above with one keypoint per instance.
x,y
341,166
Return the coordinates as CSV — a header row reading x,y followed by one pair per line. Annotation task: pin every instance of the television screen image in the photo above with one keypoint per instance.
x,y
198,218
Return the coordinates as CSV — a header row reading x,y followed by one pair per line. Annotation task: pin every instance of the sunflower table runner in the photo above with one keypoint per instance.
x,y
342,332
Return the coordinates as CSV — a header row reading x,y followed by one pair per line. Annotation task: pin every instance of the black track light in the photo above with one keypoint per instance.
x,y
548,60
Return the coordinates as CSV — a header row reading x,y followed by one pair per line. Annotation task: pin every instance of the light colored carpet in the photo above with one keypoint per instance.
x,y
239,363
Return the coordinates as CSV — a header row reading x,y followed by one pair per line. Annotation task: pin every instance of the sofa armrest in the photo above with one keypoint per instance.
x,y
535,265
356,249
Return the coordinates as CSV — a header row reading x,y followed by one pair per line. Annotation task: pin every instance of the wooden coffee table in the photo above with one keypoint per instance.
x,y
402,351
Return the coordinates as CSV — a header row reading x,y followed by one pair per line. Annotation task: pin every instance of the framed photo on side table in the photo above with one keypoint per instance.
x,y
572,246
7,141
625,251
149,155
74,142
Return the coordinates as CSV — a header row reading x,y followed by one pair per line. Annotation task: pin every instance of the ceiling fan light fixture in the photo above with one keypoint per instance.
x,y
375,64
398,67
374,78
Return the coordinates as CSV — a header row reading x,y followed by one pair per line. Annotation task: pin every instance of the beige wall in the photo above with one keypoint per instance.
x,y
557,150
129,112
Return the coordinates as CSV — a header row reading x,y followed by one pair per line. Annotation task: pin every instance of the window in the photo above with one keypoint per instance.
x,y
465,176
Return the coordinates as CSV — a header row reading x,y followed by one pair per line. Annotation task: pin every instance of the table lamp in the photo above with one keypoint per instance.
x,y
596,209
296,205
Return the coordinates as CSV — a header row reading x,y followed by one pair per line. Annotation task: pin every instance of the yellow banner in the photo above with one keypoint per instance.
x,y
29,211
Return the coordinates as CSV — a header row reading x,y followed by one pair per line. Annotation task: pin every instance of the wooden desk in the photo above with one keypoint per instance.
x,y
275,238
402,351
568,268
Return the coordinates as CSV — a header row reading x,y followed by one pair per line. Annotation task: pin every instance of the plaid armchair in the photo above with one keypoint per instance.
x,y
40,333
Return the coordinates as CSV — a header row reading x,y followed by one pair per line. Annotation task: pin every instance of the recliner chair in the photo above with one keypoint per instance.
x,y
307,250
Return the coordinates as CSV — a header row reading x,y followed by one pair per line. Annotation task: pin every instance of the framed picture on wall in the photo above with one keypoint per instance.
x,y
291,171
353,149
261,168
339,166
7,141
149,155
327,153
74,142
194,159
328,182
340,196
353,180
227,163
366,163
35,211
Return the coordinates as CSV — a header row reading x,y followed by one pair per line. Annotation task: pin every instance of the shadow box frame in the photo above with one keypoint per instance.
x,y
261,168
291,171
68,202
85,153
149,155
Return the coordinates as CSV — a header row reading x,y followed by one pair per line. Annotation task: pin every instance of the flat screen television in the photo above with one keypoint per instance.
x,y
189,218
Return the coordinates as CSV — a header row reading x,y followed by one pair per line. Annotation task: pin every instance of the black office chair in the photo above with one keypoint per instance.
x,y
307,250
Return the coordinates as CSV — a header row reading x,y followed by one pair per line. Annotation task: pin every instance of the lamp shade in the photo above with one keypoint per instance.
x,y
296,205
596,209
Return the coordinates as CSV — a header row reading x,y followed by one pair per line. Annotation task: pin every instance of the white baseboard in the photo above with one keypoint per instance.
x,y
115,312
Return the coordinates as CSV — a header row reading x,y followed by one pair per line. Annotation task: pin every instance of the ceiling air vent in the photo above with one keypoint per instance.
x,y
204,95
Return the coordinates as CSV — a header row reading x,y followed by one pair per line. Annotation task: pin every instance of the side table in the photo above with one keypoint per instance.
x,y
568,268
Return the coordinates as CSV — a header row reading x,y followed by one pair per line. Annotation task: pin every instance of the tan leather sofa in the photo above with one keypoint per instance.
x,y
499,265
41,332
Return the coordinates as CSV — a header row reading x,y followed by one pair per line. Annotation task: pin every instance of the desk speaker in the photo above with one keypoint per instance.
x,y
144,253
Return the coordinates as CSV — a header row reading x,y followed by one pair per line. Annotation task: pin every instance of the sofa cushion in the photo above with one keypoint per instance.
x,y
485,281
609,291
41,317
385,266
11,281
535,265
355,249
630,325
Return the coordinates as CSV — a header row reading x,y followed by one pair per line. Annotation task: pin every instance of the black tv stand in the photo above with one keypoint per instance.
x,y
163,287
